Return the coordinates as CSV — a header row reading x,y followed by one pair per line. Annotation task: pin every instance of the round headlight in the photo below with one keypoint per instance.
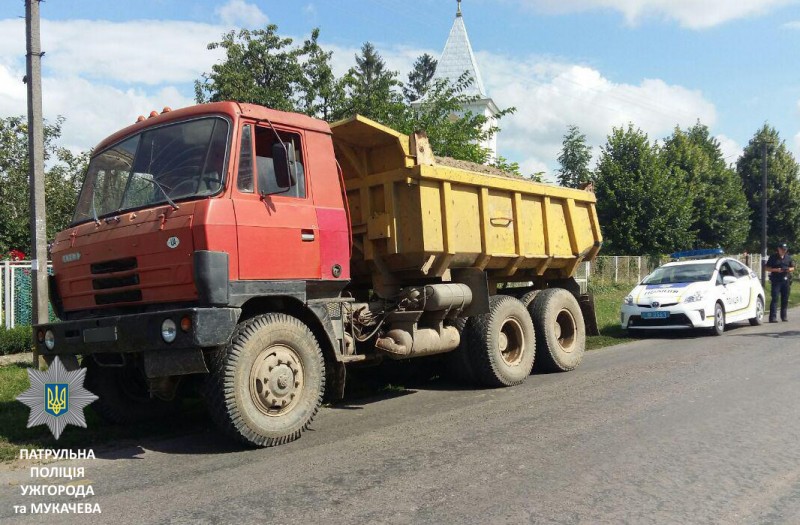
x,y
168,330
49,339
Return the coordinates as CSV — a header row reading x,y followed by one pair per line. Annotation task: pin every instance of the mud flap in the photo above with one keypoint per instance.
x,y
586,302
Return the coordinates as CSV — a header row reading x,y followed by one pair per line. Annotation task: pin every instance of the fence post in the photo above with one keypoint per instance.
x,y
616,268
9,295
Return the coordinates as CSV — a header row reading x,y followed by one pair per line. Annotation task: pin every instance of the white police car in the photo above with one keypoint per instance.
x,y
699,293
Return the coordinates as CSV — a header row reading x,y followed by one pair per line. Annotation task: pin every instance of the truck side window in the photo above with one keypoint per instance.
x,y
265,170
244,179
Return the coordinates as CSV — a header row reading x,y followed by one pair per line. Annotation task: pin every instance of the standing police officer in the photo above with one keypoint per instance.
x,y
780,267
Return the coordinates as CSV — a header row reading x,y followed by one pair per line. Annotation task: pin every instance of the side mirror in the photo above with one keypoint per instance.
x,y
283,158
728,279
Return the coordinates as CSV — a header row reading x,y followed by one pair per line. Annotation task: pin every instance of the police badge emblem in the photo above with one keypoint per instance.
x,y
56,397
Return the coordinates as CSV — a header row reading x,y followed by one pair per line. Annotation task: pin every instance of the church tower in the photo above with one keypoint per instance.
x,y
457,58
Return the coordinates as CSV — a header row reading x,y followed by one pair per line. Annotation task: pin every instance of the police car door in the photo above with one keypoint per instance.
x,y
732,292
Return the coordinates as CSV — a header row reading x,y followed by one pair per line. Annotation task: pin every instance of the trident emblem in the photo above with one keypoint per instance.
x,y
57,398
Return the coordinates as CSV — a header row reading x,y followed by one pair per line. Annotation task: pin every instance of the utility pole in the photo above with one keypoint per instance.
x,y
764,213
33,80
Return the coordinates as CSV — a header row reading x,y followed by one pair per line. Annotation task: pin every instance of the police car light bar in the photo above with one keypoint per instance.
x,y
707,252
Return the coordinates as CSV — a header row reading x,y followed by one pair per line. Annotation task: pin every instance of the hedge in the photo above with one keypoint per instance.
x,y
15,341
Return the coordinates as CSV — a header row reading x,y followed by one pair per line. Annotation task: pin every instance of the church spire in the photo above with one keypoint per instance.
x,y
458,57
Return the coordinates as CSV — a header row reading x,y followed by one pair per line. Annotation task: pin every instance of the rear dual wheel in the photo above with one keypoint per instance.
x,y
560,330
500,344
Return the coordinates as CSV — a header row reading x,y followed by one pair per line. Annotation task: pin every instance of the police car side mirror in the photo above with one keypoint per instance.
x,y
728,279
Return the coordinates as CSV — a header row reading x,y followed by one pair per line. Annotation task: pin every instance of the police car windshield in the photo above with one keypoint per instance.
x,y
683,273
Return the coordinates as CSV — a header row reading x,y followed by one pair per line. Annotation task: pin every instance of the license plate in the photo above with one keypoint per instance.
x,y
655,315
100,335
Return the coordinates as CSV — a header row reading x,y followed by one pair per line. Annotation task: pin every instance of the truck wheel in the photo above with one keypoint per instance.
x,y
458,361
267,384
719,320
528,298
501,343
759,318
560,330
122,394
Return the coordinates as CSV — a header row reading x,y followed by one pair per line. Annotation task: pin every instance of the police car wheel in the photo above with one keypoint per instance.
x,y
759,318
719,320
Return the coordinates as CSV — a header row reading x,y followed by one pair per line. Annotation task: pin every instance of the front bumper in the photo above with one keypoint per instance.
x,y
691,315
139,332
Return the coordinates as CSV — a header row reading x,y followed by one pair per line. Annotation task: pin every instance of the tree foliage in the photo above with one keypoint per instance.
x,y
783,188
263,68
574,159
720,216
62,183
642,210
420,77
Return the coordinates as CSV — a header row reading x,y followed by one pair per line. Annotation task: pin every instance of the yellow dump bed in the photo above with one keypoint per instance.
x,y
415,219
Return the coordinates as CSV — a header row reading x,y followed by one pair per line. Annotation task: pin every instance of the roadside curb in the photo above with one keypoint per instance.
x,y
25,357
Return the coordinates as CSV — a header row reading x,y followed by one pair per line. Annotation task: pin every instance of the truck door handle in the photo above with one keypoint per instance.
x,y
307,235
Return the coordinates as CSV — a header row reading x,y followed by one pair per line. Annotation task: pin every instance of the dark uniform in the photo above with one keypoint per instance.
x,y
781,280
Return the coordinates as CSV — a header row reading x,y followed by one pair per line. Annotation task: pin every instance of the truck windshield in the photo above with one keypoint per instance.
x,y
183,161
684,273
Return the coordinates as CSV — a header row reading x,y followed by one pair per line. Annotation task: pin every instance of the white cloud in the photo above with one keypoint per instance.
x,y
149,52
241,14
731,150
694,14
792,25
549,96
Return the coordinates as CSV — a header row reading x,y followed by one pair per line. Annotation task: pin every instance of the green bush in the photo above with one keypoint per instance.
x,y
15,341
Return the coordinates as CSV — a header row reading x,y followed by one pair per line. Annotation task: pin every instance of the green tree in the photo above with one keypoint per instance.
x,y
419,78
451,131
720,215
372,90
259,67
642,210
62,182
574,159
322,93
783,188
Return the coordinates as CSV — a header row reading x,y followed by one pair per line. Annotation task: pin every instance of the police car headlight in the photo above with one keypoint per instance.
x,y
697,296
169,330
628,300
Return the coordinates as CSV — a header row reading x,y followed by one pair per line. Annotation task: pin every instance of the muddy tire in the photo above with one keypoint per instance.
x,y
266,385
528,298
719,320
560,330
458,362
501,344
122,394
759,318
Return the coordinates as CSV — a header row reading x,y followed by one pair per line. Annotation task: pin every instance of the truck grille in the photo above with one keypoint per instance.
x,y
116,281
118,265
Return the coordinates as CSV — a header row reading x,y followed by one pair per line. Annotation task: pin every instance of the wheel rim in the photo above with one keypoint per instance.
x,y
276,380
566,331
720,318
759,308
512,342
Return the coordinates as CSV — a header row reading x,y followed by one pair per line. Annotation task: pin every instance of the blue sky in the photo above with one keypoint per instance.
x,y
732,64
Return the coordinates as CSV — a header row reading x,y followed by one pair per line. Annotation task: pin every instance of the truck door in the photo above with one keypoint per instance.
x,y
277,229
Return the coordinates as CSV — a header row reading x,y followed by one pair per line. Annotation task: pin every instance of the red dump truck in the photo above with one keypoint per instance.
x,y
260,253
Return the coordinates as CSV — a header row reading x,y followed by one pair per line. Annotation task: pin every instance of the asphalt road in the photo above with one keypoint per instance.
x,y
679,429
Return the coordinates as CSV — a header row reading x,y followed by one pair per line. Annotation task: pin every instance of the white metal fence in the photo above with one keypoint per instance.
x,y
16,288
611,269
16,293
